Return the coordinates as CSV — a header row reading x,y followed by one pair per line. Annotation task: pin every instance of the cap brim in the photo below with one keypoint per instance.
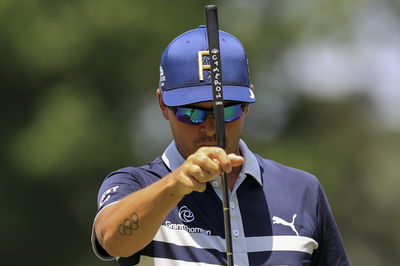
x,y
189,95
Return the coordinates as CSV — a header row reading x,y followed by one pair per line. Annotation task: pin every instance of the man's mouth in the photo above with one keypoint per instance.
x,y
198,145
205,142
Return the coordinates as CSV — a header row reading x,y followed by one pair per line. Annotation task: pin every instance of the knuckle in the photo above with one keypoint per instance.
x,y
216,165
220,154
202,159
219,150
214,170
195,170
202,150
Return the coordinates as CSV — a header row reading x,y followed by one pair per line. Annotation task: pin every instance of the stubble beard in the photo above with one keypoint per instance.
x,y
231,147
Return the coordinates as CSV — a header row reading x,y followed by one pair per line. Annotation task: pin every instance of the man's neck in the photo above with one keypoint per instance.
x,y
233,176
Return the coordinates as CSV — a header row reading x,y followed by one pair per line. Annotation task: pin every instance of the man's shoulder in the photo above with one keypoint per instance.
x,y
272,169
154,168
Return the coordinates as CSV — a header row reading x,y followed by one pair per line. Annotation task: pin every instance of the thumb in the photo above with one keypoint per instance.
x,y
236,160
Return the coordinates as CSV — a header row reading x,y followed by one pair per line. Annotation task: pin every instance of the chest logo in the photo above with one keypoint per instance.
x,y
185,214
277,220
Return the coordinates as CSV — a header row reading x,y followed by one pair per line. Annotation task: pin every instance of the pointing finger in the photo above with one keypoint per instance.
x,y
236,160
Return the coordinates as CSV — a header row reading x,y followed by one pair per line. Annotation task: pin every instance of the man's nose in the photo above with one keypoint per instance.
x,y
208,126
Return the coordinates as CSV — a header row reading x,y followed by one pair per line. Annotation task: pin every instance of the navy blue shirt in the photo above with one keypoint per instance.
x,y
279,216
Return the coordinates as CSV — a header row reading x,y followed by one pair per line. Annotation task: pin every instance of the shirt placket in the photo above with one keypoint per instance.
x,y
238,237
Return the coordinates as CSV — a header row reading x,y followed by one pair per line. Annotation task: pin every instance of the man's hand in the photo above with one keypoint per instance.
x,y
202,166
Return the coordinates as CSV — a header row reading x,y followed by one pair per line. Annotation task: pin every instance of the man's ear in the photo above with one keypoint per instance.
x,y
163,107
246,110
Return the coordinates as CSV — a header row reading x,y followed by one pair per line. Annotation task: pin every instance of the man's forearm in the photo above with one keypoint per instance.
x,y
130,224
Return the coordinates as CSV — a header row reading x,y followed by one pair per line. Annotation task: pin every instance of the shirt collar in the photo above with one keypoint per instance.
x,y
173,159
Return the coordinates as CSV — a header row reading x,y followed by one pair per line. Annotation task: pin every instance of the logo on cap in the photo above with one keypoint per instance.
x,y
162,77
202,67
252,96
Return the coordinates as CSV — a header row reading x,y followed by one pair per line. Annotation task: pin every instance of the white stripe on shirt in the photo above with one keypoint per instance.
x,y
253,244
150,261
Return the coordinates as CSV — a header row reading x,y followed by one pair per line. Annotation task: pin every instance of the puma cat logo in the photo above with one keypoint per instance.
x,y
277,220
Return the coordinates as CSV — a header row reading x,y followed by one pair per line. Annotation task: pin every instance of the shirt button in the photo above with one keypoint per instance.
x,y
232,204
236,233
215,183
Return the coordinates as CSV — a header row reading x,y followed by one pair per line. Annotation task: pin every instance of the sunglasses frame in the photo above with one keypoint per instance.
x,y
175,109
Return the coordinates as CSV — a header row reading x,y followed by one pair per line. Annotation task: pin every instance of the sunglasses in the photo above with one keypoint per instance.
x,y
196,116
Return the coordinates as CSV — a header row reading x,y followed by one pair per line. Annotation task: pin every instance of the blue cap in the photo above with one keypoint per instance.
x,y
185,79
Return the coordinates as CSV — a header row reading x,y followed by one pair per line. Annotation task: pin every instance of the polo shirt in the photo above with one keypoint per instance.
x,y
279,216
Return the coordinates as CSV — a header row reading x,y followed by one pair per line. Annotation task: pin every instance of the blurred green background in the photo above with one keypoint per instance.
x,y
78,82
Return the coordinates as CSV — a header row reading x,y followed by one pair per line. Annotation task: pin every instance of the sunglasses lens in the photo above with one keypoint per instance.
x,y
233,112
190,115
195,116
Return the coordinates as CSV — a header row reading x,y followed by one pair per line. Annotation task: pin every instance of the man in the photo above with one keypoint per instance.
x,y
169,212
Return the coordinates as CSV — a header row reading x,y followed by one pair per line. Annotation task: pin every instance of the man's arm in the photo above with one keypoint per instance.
x,y
130,224
331,250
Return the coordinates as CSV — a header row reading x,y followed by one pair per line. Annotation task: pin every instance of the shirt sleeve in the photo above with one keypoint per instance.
x,y
331,250
116,186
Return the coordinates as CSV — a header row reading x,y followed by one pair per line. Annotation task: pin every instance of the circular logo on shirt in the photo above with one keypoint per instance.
x,y
185,214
